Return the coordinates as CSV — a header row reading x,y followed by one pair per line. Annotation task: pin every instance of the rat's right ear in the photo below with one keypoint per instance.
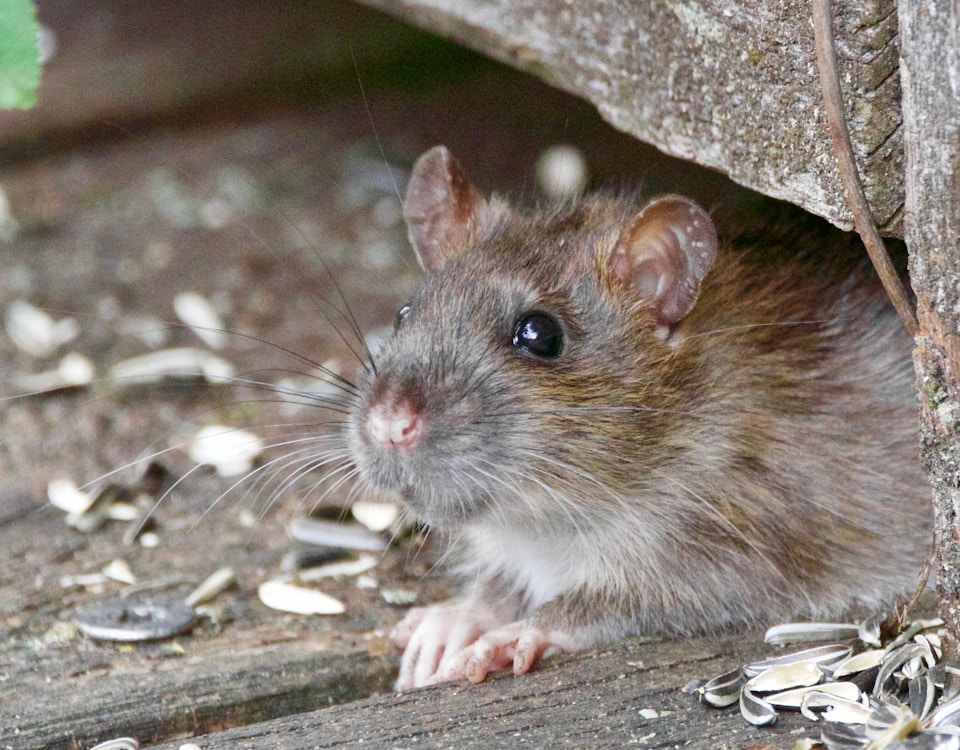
x,y
442,209
663,255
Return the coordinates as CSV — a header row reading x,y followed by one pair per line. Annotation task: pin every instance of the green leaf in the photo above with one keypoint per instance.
x,y
19,54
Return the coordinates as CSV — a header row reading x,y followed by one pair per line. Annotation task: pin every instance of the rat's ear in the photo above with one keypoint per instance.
x,y
664,254
442,209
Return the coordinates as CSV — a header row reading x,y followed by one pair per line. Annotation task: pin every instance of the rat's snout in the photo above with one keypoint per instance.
x,y
396,421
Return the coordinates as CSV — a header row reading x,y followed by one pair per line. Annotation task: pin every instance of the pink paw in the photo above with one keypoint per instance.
x,y
519,645
429,636
453,641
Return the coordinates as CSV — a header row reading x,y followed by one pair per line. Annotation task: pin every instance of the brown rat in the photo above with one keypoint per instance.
x,y
628,429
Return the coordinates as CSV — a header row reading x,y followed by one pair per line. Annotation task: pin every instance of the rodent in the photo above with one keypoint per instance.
x,y
626,427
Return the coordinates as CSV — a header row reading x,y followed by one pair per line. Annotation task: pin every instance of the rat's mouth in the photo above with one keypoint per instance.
x,y
444,508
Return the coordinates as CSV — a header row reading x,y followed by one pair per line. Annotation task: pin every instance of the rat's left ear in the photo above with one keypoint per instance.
x,y
664,254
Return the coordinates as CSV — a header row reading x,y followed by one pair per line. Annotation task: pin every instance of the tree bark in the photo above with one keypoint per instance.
x,y
930,73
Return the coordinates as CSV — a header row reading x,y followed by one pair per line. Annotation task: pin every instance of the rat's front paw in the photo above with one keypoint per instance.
x,y
431,636
519,645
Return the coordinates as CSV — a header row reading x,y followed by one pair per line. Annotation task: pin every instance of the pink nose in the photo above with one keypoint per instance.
x,y
395,426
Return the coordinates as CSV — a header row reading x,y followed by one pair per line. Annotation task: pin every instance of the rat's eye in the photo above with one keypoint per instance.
x,y
402,314
539,334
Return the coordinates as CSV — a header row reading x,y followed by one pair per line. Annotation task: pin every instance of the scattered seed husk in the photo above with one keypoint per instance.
x,y
286,597
820,655
931,643
904,678
232,452
928,740
183,362
398,597
35,332
121,743
860,662
723,690
375,516
921,693
331,534
893,661
890,722
197,312
946,714
93,517
834,709
755,709
840,736
561,172
917,626
868,630
804,632
119,570
122,511
339,569
73,371
311,557
785,676
66,496
216,583
86,580
794,697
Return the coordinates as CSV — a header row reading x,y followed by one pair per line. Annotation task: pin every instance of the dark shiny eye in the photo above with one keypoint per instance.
x,y
538,334
402,314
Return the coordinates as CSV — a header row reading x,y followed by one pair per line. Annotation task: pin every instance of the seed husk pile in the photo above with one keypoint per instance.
x,y
864,693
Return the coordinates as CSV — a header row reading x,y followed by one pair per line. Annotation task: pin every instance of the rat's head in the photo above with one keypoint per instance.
x,y
522,366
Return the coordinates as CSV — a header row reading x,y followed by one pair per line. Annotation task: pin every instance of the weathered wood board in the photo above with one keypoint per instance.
x,y
729,85
592,700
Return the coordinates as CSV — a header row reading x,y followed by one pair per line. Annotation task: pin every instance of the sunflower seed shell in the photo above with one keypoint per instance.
x,y
286,597
803,632
794,698
723,690
820,655
756,710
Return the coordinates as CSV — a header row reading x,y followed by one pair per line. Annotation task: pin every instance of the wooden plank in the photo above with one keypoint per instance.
x,y
588,700
931,105
243,663
729,85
